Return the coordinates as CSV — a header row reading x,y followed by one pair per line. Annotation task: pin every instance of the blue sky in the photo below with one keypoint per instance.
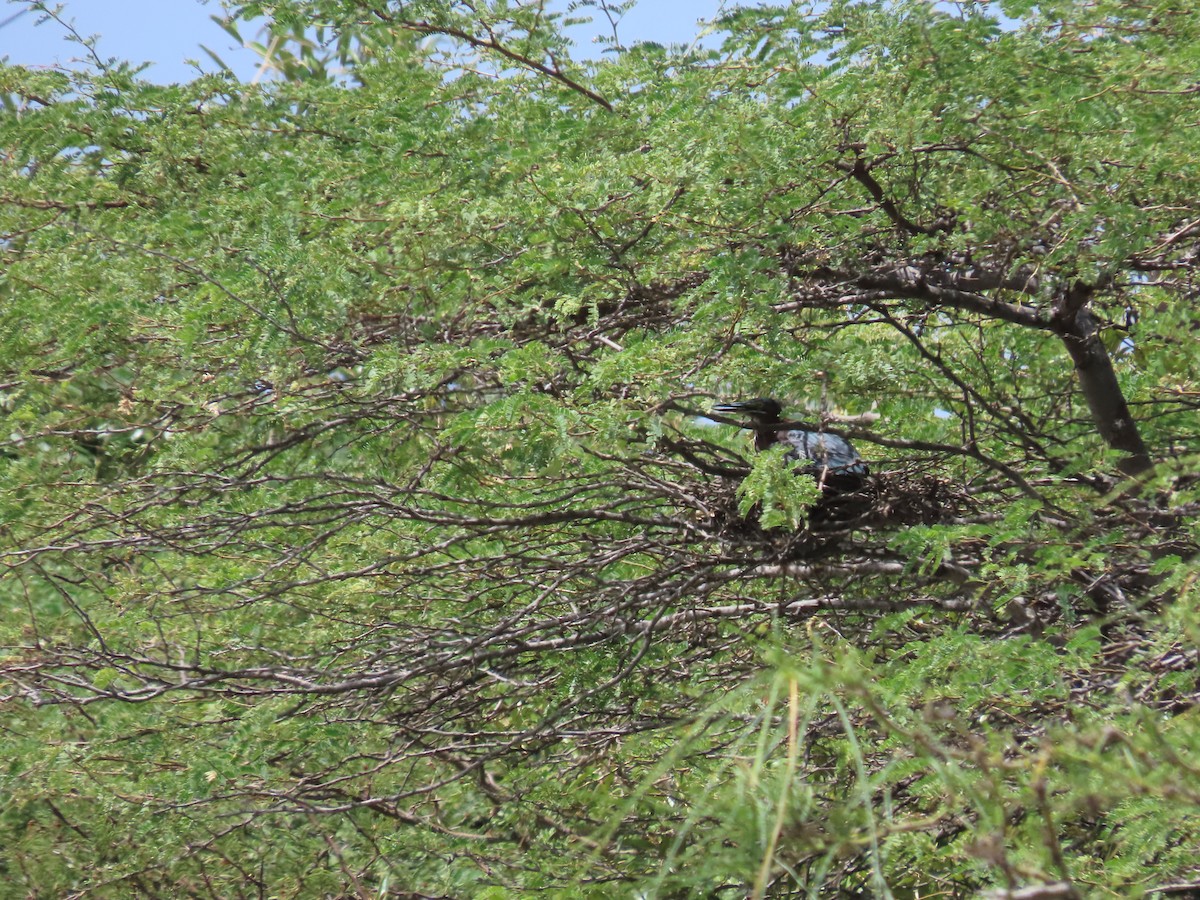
x,y
169,32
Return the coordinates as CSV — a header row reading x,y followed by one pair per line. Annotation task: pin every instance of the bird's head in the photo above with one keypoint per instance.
x,y
760,410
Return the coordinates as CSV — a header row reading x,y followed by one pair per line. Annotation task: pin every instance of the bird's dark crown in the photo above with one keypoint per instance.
x,y
764,409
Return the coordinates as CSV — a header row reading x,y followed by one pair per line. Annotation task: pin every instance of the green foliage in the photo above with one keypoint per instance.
x,y
781,499
363,533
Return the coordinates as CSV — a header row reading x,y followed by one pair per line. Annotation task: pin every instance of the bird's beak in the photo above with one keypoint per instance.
x,y
728,408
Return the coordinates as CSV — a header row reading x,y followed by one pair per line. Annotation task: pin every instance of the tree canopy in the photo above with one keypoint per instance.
x,y
364,532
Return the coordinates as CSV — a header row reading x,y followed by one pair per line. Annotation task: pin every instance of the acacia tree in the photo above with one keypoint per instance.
x,y
363,534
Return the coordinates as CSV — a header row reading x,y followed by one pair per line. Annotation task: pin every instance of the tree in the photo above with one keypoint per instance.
x,y
364,534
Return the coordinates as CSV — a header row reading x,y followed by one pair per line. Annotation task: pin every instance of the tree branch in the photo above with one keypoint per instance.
x,y
1080,332
490,43
861,172
912,281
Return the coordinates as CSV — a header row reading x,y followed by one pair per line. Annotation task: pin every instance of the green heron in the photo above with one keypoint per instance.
x,y
829,458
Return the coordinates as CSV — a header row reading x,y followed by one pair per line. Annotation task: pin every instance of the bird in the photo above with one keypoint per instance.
x,y
831,459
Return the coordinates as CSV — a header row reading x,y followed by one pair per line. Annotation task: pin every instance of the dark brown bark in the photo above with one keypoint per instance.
x,y
1076,324
1100,387
1070,318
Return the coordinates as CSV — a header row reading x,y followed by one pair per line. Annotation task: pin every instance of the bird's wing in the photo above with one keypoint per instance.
x,y
826,450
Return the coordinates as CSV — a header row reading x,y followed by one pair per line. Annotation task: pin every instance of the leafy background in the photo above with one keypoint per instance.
x,y
363,534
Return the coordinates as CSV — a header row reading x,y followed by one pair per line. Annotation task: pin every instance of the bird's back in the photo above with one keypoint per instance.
x,y
824,451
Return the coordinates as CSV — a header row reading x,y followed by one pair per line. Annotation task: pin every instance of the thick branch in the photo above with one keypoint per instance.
x,y
1023,280
911,281
1071,319
62,205
1080,331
